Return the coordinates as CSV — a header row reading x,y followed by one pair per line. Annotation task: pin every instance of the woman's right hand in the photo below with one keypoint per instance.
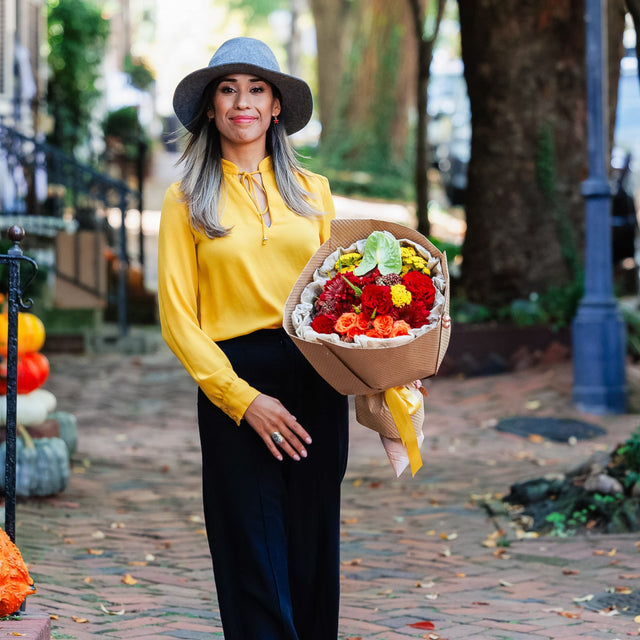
x,y
268,416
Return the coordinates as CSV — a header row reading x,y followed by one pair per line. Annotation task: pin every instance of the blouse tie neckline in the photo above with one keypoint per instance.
x,y
250,183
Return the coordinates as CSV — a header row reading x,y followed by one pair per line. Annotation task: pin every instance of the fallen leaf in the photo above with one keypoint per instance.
x,y
117,525
461,575
54,616
385,593
354,638
98,535
357,483
79,620
446,552
138,563
195,519
111,612
571,572
612,552
15,633
609,611
355,562
586,598
69,541
535,438
449,536
425,625
504,583
375,485
127,578
637,619
629,576
624,590
350,521
432,596
568,614
532,405
95,552
431,636
480,604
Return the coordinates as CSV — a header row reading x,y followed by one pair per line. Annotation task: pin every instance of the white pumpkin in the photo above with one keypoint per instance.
x,y
32,408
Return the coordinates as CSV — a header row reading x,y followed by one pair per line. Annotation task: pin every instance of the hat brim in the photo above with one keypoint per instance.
x,y
296,99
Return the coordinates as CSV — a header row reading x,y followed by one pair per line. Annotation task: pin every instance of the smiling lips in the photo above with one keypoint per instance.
x,y
243,119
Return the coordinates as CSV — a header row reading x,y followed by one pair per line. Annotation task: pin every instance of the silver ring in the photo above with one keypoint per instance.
x,y
276,436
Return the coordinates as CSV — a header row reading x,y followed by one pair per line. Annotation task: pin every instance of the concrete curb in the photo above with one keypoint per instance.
x,y
30,626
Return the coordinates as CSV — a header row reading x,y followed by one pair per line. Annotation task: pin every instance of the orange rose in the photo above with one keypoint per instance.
x,y
354,331
345,322
400,328
362,322
374,333
383,324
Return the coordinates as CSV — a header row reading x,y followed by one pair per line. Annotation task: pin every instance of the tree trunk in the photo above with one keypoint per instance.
x,y
525,70
633,6
368,130
425,46
331,19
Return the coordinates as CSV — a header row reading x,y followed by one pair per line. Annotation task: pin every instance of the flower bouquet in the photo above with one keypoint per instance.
x,y
367,313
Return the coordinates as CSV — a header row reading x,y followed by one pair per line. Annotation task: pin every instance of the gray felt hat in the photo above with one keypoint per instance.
x,y
245,55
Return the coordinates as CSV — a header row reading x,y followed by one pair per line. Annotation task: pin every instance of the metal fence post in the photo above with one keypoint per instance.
x,y
13,259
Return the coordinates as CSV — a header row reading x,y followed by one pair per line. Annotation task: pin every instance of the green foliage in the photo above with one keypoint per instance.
x,y
141,76
555,307
77,35
258,9
124,125
630,454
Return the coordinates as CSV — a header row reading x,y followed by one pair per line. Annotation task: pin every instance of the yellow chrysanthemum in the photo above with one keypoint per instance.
x,y
407,252
348,262
415,263
400,295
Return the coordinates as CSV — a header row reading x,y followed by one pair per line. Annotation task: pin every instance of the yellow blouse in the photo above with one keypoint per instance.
x,y
221,288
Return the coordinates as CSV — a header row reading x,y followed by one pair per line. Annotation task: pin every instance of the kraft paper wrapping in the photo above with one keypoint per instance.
x,y
369,367
360,371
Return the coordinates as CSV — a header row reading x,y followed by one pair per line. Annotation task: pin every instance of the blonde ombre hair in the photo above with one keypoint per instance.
x,y
203,178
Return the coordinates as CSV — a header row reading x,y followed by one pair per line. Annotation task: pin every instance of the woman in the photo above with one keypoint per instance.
x,y
234,235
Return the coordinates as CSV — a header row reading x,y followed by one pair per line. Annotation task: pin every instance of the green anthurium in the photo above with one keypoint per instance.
x,y
382,250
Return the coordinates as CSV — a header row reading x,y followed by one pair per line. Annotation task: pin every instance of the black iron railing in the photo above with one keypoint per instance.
x,y
14,259
78,197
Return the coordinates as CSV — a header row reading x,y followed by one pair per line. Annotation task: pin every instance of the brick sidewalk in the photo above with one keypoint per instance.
x,y
122,552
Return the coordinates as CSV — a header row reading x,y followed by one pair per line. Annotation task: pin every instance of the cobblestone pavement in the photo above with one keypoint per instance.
x,y
122,552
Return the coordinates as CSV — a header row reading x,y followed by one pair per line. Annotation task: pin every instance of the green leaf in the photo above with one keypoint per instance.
x,y
382,250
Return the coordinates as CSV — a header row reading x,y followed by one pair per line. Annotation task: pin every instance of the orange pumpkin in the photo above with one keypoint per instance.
x,y
15,582
33,371
31,333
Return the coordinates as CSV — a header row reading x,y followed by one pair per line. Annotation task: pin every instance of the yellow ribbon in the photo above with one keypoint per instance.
x,y
403,404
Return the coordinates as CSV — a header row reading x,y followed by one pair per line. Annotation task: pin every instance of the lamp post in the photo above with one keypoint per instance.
x,y
599,383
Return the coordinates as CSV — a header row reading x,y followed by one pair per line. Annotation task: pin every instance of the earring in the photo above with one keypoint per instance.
x,y
275,120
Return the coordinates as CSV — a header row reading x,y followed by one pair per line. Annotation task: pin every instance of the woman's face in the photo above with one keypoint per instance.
x,y
242,108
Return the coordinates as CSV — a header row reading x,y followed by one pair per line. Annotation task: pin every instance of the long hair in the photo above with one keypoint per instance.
x,y
203,180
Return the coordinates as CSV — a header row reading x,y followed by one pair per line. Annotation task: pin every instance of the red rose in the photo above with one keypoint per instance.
x,y
323,324
416,314
376,298
421,287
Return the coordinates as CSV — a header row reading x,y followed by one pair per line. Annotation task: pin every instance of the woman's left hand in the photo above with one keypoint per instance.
x,y
279,430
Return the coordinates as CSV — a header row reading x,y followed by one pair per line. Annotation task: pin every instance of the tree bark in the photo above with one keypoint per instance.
x,y
368,130
425,53
525,70
331,19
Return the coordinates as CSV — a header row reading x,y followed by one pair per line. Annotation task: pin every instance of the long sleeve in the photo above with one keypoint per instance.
x,y
179,302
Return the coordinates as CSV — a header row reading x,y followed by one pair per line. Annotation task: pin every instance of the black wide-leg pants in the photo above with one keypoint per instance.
x,y
273,527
